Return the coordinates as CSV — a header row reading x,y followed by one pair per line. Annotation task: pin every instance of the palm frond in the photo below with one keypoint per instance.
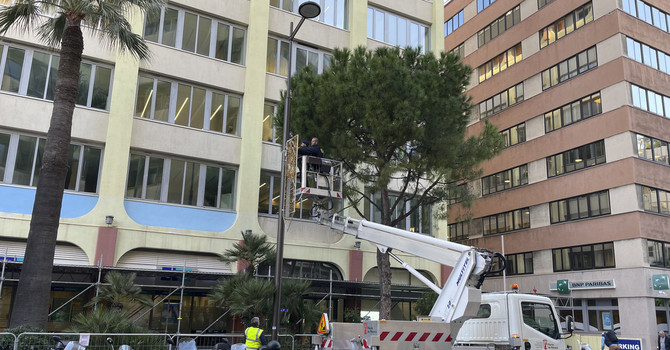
x,y
52,30
22,14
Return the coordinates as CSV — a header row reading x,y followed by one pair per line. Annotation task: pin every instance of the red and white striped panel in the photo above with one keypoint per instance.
x,y
414,336
327,343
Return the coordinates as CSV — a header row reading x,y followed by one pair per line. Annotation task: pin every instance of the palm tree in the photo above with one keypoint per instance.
x,y
121,293
108,21
254,250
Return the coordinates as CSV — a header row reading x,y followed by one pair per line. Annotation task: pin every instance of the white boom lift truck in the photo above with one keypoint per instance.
x,y
462,317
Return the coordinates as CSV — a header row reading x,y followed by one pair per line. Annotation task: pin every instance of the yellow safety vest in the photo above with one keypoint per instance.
x,y
253,337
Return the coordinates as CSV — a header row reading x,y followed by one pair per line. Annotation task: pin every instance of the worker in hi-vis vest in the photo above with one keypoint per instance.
x,y
254,335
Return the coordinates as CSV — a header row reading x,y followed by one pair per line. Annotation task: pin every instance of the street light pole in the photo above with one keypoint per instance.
x,y
306,10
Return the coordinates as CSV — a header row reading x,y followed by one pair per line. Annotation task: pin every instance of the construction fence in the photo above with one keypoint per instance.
x,y
137,341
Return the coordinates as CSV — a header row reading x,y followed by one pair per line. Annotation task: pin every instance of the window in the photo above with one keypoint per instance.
x,y
566,25
652,149
655,200
454,23
543,3
482,4
584,257
277,58
195,33
419,221
659,253
500,63
268,199
573,112
570,68
580,207
514,135
312,270
650,101
500,25
645,54
269,130
647,13
507,221
576,159
183,104
398,31
501,101
540,316
21,160
334,12
180,182
519,264
33,73
459,50
504,180
459,231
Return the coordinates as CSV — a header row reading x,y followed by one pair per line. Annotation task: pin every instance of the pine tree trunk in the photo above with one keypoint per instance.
x,y
31,304
384,265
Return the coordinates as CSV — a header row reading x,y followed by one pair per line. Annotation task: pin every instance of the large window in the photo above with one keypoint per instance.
x,y
500,63
180,182
418,221
519,264
195,33
501,101
576,159
659,253
397,31
566,25
514,135
584,257
459,50
570,68
268,199
573,112
499,26
33,73
334,12
650,101
453,23
656,200
184,104
580,207
459,231
543,3
504,180
652,149
507,221
647,13
21,160
648,55
277,58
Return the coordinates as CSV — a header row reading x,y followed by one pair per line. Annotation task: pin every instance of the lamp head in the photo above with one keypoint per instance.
x,y
309,9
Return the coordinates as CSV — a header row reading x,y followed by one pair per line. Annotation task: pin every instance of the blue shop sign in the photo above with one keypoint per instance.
x,y
630,344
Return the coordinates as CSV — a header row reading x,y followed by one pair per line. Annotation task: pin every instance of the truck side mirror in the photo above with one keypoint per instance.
x,y
569,324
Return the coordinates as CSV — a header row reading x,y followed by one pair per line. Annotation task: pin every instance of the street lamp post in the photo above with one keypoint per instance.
x,y
309,9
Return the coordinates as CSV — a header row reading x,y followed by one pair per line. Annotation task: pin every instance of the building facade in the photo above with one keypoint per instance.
x,y
173,157
578,198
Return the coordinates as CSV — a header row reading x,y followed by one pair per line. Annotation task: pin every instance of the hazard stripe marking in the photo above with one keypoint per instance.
x,y
396,336
448,338
438,336
410,336
383,336
424,337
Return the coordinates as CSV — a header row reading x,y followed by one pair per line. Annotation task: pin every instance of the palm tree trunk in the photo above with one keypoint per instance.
x,y
31,306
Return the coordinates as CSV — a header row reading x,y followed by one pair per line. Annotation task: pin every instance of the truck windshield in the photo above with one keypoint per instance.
x,y
540,317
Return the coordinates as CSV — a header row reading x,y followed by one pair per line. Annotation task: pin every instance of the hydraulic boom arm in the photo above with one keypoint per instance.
x,y
460,297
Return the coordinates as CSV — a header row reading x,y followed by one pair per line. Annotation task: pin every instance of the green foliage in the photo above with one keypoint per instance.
x,y
27,342
254,249
352,315
393,115
116,303
425,303
121,292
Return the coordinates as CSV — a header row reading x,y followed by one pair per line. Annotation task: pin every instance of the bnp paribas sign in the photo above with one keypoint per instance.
x,y
565,286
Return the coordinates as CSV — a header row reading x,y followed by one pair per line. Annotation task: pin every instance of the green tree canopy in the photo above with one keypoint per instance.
x,y
397,119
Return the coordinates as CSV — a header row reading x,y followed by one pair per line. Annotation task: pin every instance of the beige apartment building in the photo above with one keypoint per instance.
x,y
173,157
579,198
